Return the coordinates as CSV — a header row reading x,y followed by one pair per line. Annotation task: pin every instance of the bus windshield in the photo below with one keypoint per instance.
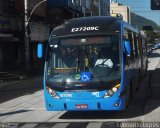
x,y
82,61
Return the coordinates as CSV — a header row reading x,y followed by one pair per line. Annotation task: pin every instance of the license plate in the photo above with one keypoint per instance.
x,y
81,106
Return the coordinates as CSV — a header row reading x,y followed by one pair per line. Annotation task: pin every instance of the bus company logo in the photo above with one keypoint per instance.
x,y
83,29
96,94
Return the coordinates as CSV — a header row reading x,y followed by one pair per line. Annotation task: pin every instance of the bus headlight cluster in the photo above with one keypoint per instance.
x,y
52,93
110,92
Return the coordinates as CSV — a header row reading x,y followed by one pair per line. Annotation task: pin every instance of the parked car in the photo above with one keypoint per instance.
x,y
156,46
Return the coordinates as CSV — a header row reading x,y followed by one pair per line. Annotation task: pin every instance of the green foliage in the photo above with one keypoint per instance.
x,y
150,36
140,21
157,34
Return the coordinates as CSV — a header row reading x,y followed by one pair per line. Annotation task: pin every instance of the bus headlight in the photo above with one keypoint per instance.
x,y
110,92
52,93
114,89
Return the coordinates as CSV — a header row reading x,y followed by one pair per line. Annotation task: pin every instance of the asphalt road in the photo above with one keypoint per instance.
x,y
22,106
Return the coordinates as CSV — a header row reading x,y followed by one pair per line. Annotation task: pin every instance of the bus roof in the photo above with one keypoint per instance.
x,y
88,26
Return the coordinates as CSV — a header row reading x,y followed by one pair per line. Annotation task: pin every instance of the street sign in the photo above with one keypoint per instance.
x,y
155,4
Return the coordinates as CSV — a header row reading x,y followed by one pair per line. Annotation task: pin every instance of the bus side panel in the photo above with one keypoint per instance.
x,y
127,71
123,76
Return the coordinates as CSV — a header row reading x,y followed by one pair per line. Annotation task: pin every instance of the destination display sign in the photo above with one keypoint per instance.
x,y
83,41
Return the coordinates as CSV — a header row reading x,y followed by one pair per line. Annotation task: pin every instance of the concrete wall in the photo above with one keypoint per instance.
x,y
105,5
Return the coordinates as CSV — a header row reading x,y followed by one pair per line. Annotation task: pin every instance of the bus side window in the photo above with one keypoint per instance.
x,y
126,58
136,46
130,36
131,39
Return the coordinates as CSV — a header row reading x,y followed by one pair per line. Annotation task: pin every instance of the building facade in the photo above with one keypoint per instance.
x,y
101,7
11,36
60,11
120,10
105,5
14,49
87,7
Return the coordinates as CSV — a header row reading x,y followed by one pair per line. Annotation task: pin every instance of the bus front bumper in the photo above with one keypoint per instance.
x,y
85,105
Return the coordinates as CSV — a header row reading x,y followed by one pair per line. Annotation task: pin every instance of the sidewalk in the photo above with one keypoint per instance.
x,y
10,76
154,69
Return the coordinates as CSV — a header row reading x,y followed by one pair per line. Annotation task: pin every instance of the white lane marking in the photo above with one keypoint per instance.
x,y
61,125
29,125
94,125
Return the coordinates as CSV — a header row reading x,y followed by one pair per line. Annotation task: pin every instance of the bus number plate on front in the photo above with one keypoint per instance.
x,y
81,106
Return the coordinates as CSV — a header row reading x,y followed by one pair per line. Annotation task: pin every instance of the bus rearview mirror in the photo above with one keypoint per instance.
x,y
40,51
127,45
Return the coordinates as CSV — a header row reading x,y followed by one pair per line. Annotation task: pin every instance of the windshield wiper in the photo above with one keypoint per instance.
x,y
96,76
65,77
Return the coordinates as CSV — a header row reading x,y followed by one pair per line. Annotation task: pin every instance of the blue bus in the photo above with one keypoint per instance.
x,y
93,63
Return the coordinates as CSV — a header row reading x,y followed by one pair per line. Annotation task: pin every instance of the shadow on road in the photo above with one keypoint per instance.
x,y
153,55
14,112
20,88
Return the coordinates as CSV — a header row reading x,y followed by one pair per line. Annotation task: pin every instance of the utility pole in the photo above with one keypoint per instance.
x,y
27,18
26,35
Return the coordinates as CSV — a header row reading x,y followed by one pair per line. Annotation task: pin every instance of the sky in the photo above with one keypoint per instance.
x,y
142,8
